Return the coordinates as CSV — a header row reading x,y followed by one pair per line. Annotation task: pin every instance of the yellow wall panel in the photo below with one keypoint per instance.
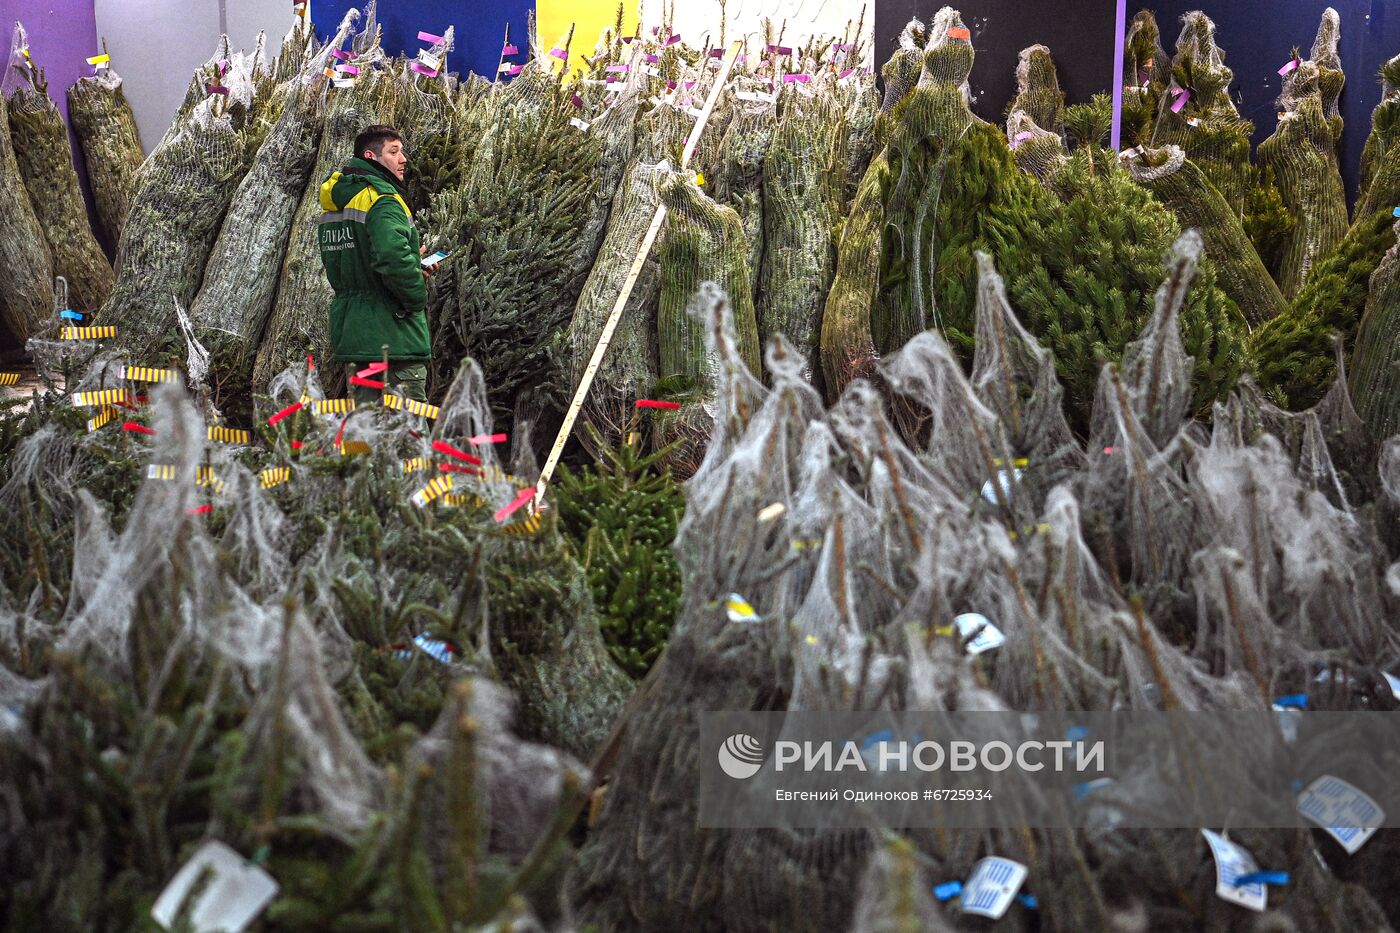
x,y
589,17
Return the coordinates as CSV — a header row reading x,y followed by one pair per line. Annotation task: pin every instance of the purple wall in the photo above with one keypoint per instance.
x,y
62,36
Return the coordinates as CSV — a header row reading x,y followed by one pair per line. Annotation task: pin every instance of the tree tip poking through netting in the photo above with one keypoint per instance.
x,y
1327,58
1146,60
948,53
901,71
1302,155
1037,151
1038,89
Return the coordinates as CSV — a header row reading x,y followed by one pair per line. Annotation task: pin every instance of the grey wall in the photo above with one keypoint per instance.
x,y
157,44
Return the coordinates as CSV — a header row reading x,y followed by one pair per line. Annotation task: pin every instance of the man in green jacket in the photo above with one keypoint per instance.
x,y
371,251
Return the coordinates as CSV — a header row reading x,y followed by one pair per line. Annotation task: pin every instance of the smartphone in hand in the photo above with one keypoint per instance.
x,y
429,261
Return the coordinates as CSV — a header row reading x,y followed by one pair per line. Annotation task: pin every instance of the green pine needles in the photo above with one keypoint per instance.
x,y
621,514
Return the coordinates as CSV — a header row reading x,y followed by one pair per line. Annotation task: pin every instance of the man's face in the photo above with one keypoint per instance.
x,y
392,158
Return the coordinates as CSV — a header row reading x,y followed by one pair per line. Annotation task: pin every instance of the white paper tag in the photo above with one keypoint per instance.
x,y
614,88
988,635
431,60
1346,813
993,886
1231,863
576,122
756,97
652,71
343,82
234,896
505,66
695,112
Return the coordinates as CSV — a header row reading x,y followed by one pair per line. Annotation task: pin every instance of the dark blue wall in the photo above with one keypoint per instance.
x,y
1079,34
1258,36
481,26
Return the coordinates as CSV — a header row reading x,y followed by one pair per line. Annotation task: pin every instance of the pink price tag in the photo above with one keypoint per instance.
x,y
716,53
525,496
350,69
628,40
653,59
670,85
846,74
422,69
780,49
843,47
674,39
560,54
576,101
429,37
514,70
1181,98
796,79
616,69
340,54
480,439
509,50
217,89
1291,66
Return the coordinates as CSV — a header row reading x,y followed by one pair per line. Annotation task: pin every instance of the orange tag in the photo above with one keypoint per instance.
x,y
958,32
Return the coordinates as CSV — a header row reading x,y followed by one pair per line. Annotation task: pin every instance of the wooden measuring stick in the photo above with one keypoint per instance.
x,y
604,339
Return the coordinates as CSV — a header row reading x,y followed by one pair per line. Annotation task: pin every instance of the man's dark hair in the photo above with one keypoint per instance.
x,y
374,137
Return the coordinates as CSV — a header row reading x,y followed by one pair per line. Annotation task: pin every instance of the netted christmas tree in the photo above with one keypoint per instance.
x,y
185,189
1302,157
231,309
1296,352
1196,113
803,186
1374,371
111,142
1038,93
1380,159
46,164
629,368
1182,186
26,288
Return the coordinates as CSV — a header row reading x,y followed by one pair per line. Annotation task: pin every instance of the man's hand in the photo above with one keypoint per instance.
x,y
423,248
